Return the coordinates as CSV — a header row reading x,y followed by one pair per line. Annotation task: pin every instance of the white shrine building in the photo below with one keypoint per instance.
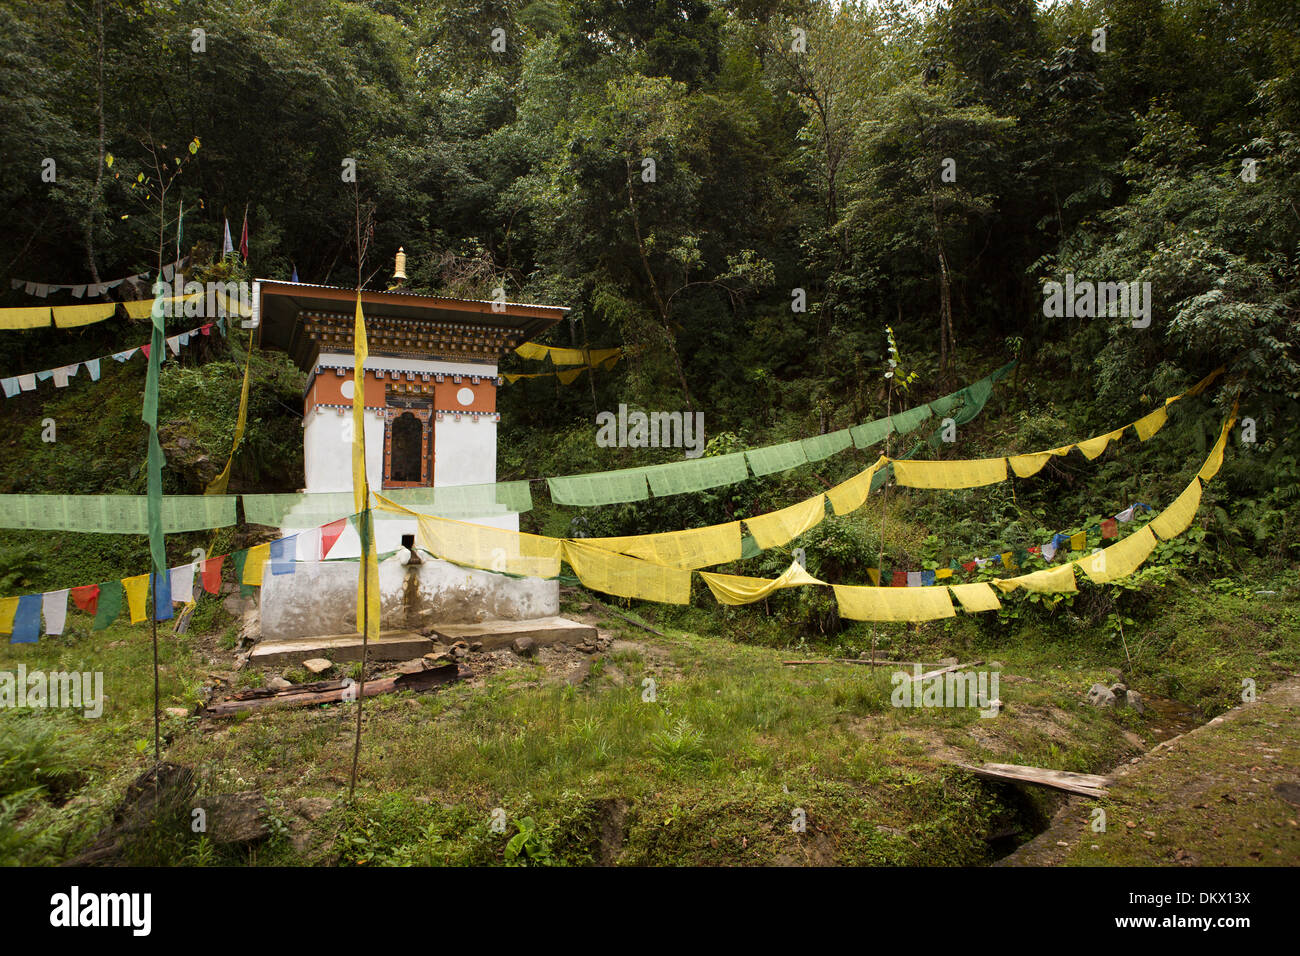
x,y
431,418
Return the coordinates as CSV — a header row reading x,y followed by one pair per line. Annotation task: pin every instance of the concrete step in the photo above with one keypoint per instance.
x,y
390,646
499,634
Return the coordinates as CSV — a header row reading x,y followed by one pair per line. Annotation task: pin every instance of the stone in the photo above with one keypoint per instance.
x,y
524,646
436,657
476,646
313,808
579,674
176,712
1115,672
278,683
317,665
1119,690
236,817
1134,699
948,661
233,604
1100,696
411,667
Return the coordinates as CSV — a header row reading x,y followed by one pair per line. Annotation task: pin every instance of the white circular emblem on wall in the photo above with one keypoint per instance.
x,y
349,388
465,396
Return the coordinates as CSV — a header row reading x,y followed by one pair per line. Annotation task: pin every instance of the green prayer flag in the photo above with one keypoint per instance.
x,y
602,488
110,604
680,477
904,422
871,433
115,514
154,462
238,559
774,458
823,446
749,547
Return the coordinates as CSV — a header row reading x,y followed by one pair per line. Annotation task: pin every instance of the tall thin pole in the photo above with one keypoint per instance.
x,y
153,614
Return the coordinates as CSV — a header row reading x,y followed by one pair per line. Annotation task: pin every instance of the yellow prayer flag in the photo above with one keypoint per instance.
x,y
1058,580
976,597
1175,519
1079,541
217,486
1093,447
531,350
970,473
778,527
694,548
255,564
851,494
1008,559
1215,460
485,547
137,596
27,317
8,608
368,583
942,573
737,589
893,604
623,576
71,316
1148,425
569,376
360,488
1121,559
1027,465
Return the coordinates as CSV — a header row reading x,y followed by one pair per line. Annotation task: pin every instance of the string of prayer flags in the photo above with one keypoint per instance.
x,y
79,289
114,514
15,384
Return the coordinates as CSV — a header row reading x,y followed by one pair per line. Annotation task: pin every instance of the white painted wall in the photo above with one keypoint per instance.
x,y
327,457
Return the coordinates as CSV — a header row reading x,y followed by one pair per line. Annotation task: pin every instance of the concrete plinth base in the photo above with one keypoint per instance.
x,y
320,598
495,634
391,646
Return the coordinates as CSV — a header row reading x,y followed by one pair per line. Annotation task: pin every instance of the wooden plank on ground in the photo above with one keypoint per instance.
x,y
1084,784
306,696
954,667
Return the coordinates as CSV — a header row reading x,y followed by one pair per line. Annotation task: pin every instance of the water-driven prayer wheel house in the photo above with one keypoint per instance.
x,y
431,418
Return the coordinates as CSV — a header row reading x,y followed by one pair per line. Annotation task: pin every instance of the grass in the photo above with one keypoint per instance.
x,y
709,769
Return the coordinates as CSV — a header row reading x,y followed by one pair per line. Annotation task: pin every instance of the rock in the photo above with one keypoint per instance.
x,y
233,604
317,665
176,712
995,665
524,646
476,646
1134,699
948,661
459,649
1119,690
278,683
411,667
236,817
1115,672
579,674
1100,696
436,657
313,808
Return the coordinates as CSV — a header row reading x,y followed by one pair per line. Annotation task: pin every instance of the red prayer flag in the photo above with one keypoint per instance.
x,y
206,328
900,579
1110,528
969,566
1035,549
86,597
243,240
212,574
329,534
145,350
